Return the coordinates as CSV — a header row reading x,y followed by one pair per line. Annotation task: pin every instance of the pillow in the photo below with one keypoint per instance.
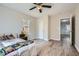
x,y
8,49
11,36
1,38
7,37
2,52
4,37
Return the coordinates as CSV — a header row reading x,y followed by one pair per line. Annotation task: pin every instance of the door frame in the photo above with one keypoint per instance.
x,y
72,32
68,18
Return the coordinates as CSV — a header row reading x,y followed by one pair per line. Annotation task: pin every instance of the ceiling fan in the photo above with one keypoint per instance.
x,y
40,6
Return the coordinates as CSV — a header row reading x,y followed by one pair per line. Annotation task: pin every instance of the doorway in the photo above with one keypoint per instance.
x,y
67,31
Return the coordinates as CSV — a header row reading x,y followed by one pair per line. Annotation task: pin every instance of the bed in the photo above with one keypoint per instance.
x,y
14,47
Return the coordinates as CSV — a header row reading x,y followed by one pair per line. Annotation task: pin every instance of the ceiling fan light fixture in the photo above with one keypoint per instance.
x,y
39,7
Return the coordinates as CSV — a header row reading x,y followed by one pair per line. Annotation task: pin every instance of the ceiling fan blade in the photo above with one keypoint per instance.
x,y
47,6
32,8
37,3
40,10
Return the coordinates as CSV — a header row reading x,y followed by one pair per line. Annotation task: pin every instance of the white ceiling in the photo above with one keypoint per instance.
x,y
24,8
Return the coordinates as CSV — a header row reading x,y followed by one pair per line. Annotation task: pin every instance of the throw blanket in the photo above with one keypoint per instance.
x,y
6,50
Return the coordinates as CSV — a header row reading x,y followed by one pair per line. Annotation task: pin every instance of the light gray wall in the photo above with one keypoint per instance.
x,y
77,28
33,29
55,24
11,21
49,27
43,28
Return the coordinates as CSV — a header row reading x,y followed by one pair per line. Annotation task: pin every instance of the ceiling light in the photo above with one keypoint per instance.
x,y
39,7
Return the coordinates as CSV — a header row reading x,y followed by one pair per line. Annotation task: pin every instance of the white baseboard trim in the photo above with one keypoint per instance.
x,y
54,39
77,48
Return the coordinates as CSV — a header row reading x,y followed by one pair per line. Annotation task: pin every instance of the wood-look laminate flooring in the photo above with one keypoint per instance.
x,y
51,48
57,48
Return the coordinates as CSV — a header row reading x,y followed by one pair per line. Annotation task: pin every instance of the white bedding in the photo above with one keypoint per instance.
x,y
23,51
11,42
14,53
14,41
1,46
